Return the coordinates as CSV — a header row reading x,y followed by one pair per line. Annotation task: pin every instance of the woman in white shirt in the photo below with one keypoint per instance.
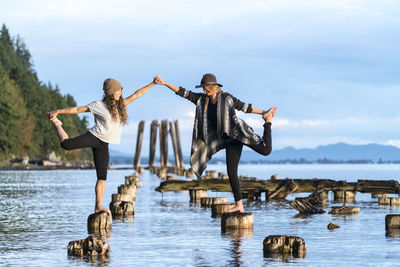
x,y
110,115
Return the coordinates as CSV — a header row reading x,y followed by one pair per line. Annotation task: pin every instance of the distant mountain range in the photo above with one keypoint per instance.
x,y
334,153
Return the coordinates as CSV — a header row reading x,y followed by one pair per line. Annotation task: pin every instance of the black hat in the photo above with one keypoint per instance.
x,y
208,79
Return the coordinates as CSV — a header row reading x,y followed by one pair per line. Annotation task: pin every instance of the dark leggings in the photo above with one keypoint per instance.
x,y
100,151
233,153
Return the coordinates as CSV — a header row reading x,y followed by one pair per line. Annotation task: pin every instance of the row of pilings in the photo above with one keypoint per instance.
x,y
99,224
164,129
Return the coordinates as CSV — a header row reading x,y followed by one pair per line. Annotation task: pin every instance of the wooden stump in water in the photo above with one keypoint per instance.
x,y
122,208
140,169
395,201
222,175
122,197
344,210
277,245
282,192
332,226
218,209
132,181
392,225
196,195
275,177
211,174
384,201
189,173
127,189
208,201
344,196
313,204
392,221
237,220
99,221
389,201
90,247
379,195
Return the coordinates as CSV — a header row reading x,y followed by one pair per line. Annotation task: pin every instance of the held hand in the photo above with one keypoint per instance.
x,y
158,80
52,115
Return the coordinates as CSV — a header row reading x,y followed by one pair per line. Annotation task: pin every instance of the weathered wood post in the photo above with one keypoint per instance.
x,y
392,225
122,208
237,220
218,209
161,144
196,195
209,201
136,161
90,246
153,140
344,196
99,221
277,245
178,141
174,145
164,143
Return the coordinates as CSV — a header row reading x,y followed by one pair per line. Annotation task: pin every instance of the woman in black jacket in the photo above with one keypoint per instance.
x,y
217,126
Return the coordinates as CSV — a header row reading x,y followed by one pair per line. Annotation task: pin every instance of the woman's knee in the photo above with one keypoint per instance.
x,y
66,144
266,151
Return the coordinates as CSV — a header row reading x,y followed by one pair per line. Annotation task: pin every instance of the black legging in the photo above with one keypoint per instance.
x,y
233,153
100,151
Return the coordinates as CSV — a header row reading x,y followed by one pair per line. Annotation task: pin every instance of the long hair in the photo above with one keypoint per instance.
x,y
117,108
211,88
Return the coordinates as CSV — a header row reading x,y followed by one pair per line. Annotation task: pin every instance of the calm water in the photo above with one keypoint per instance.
x,y
41,211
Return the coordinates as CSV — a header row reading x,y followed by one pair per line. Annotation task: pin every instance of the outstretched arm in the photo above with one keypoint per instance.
x,y
160,81
138,93
189,95
257,111
73,110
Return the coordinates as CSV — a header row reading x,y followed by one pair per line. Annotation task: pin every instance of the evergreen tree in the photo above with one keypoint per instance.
x,y
24,103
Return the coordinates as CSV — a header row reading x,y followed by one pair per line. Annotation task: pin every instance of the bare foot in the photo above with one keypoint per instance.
x,y
56,121
101,208
269,114
237,208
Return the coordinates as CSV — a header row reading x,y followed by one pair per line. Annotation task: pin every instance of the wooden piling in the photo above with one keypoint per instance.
x,y
164,143
277,245
136,161
161,144
344,196
89,247
237,220
178,142
122,208
344,210
122,197
174,145
153,140
196,195
218,209
99,221
208,201
127,189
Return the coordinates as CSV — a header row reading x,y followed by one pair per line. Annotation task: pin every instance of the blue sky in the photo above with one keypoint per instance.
x,y
332,67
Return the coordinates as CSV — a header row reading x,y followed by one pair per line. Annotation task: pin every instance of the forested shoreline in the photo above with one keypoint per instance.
x,y
25,130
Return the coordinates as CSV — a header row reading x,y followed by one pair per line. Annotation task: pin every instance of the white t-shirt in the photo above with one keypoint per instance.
x,y
106,129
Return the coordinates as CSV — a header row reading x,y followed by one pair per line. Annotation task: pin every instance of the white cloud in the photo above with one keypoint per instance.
x,y
395,143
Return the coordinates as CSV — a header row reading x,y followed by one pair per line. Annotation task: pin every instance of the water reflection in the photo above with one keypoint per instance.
x,y
393,232
236,237
98,261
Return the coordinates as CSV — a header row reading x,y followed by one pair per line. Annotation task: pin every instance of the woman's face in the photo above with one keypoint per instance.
x,y
117,94
207,92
